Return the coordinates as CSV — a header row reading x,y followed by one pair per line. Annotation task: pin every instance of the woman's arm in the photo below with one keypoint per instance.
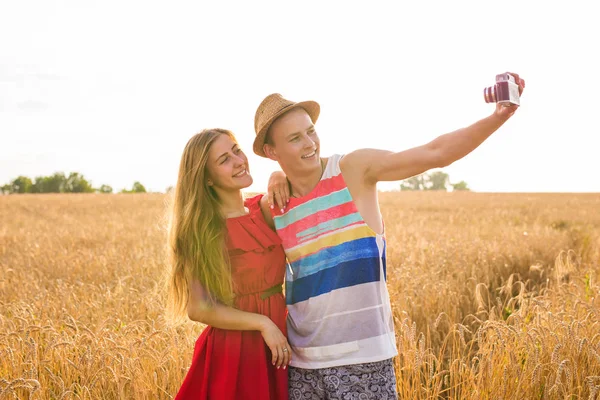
x,y
225,317
278,190
278,195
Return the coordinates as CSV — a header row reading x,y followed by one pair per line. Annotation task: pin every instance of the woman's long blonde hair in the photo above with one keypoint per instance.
x,y
196,238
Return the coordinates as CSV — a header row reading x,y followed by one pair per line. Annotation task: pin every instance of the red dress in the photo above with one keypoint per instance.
x,y
229,364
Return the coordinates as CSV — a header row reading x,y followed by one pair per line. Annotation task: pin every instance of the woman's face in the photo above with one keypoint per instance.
x,y
227,165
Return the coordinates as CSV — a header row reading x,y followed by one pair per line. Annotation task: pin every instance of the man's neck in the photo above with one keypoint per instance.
x,y
303,184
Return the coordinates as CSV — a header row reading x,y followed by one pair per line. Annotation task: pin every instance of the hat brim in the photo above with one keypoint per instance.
x,y
312,108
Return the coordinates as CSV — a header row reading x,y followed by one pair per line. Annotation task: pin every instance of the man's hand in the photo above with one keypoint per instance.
x,y
505,112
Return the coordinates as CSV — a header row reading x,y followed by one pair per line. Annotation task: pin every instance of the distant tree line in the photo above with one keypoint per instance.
x,y
436,180
61,183
76,183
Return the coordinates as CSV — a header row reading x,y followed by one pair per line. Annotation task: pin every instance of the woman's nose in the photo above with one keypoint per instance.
x,y
239,160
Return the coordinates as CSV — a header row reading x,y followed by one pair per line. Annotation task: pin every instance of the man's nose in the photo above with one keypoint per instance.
x,y
308,142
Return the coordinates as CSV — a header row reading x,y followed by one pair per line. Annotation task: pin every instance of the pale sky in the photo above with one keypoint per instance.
x,y
114,89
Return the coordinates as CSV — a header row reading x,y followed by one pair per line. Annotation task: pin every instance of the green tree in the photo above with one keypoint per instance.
x,y
21,184
416,182
136,188
105,189
438,180
76,183
55,183
462,185
50,184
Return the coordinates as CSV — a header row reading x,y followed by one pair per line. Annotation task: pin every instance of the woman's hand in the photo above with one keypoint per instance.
x,y
277,343
226,317
278,191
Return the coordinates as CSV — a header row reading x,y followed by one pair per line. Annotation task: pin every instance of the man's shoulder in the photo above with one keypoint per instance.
x,y
353,159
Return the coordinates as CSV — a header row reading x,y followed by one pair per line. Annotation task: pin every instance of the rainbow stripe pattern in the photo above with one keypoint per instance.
x,y
338,305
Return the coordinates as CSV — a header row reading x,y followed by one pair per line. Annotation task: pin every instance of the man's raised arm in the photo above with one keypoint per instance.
x,y
381,165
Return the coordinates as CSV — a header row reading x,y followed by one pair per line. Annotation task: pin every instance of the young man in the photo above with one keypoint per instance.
x,y
340,325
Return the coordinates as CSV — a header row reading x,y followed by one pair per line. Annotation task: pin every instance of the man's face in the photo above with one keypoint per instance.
x,y
294,142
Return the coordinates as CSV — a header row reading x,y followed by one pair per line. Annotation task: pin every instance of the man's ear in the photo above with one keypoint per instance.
x,y
270,152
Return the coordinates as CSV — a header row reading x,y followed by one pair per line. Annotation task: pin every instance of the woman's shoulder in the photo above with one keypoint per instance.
x,y
253,202
251,232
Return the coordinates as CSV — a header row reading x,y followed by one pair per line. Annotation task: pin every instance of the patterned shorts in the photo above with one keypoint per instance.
x,y
349,382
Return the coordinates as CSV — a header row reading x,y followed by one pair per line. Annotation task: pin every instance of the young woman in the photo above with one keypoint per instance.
x,y
226,271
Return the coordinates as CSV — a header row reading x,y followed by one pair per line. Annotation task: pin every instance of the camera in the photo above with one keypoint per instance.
x,y
505,91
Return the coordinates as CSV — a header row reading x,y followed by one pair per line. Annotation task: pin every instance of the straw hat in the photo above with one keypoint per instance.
x,y
272,107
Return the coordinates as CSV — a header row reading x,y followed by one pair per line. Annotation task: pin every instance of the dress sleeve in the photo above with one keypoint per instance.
x,y
251,232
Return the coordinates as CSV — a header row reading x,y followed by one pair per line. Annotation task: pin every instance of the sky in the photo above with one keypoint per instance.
x,y
115,89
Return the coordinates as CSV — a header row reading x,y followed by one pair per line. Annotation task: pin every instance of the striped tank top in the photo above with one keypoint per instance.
x,y
338,305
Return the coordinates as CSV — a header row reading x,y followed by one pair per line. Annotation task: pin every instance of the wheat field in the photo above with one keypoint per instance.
x,y
495,296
